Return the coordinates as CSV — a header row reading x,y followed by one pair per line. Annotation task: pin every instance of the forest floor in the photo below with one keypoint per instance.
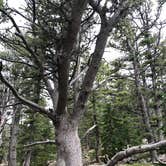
x,y
136,164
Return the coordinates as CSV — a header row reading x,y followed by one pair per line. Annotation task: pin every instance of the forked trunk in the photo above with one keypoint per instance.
x,y
68,144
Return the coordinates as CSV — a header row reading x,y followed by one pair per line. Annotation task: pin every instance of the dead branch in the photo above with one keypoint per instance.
x,y
79,75
40,143
89,130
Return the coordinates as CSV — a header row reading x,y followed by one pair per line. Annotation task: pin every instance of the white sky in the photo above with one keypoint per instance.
x,y
16,3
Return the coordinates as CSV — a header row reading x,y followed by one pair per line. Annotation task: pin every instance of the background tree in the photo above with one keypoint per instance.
x,y
142,47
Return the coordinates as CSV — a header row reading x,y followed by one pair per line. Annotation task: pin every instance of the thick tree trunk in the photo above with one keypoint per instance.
x,y
68,144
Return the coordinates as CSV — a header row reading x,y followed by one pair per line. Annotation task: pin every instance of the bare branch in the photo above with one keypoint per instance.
x,y
89,130
22,15
20,35
17,61
10,105
32,105
40,143
79,75
96,86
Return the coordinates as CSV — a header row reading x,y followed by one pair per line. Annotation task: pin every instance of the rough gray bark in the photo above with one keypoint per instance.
x,y
68,144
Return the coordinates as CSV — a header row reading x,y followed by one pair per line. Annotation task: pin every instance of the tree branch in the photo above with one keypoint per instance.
x,y
9,105
40,143
79,75
89,130
106,28
32,105
20,35
102,83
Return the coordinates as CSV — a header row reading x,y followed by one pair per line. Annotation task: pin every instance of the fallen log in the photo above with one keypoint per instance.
x,y
135,150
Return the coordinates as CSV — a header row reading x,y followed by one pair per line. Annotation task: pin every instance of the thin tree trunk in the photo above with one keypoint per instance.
x,y
156,98
12,157
97,143
157,103
36,99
